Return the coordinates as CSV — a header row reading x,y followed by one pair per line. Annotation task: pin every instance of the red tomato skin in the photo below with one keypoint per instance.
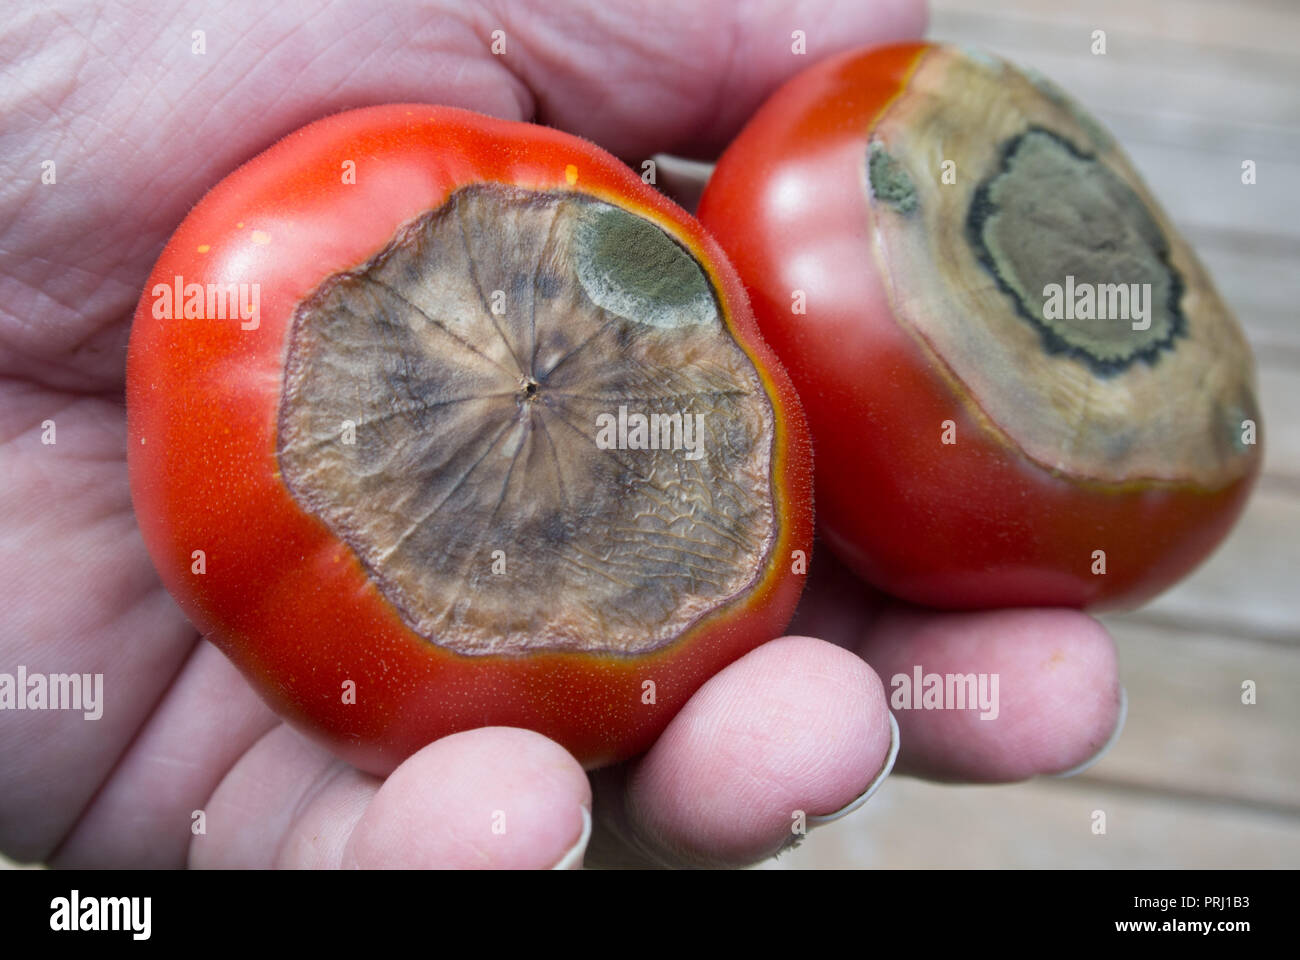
x,y
281,596
974,525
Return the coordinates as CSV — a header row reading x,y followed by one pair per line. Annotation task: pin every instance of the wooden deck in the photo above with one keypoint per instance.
x,y
1190,88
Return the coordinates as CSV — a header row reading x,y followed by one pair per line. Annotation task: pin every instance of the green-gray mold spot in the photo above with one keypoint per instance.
x,y
630,267
1054,223
890,182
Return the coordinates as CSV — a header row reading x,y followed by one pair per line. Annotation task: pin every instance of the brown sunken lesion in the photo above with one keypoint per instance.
x,y
474,356
1019,197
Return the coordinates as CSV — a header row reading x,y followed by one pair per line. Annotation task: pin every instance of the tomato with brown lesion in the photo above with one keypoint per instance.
x,y
408,525
1022,385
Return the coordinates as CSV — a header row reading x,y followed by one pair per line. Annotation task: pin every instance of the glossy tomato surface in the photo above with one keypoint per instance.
x,y
272,583
969,524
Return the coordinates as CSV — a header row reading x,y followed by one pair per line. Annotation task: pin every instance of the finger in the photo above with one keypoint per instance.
x,y
1060,698
281,787
796,729
1053,674
86,602
140,132
145,813
495,797
685,80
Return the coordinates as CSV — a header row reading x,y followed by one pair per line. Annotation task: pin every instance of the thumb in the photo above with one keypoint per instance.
x,y
496,797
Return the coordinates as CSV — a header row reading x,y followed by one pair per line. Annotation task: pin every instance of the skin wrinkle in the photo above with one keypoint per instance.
x,y
130,596
328,775
311,787
733,42
52,852
252,33
496,16
143,587
550,53
119,304
144,731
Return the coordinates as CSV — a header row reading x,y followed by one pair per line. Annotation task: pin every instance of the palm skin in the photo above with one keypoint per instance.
x,y
138,127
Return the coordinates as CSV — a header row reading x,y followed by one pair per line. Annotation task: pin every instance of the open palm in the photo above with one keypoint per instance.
x,y
138,126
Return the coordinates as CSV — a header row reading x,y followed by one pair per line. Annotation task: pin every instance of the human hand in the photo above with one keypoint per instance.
x,y
138,128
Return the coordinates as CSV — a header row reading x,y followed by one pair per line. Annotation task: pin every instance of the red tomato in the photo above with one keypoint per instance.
x,y
408,494
1021,384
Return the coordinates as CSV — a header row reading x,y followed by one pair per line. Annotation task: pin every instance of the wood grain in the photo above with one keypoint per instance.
x,y
1045,824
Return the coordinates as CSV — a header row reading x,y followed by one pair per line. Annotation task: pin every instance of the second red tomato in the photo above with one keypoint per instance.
x,y
1022,385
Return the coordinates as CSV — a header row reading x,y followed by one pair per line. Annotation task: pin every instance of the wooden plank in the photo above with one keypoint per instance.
x,y
1044,824
1203,131
1188,731
1137,71
1256,274
1279,393
1204,189
1251,27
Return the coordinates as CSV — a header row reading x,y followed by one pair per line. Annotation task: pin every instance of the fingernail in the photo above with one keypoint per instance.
x,y
1105,747
573,858
872,787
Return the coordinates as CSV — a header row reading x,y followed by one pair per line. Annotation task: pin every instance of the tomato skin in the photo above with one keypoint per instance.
x,y
967,526
281,596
